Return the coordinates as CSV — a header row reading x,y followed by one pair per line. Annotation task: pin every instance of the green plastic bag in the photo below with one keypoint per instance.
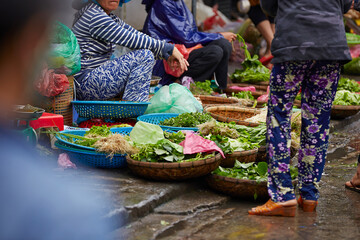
x,y
174,99
146,133
65,55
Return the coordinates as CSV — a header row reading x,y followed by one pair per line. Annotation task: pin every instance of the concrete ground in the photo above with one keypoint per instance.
x,y
142,209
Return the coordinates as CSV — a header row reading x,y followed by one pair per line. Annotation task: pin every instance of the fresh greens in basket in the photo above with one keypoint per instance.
x,y
346,98
250,171
244,95
201,88
187,120
252,69
348,84
166,151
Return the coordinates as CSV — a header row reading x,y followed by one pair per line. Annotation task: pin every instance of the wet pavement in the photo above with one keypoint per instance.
x,y
142,209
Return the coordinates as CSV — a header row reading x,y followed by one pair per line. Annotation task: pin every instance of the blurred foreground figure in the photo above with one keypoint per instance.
x,y
34,204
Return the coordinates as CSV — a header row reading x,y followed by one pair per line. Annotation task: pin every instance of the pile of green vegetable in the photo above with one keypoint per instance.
x,y
231,137
250,171
187,120
167,150
244,95
346,98
348,84
201,88
252,69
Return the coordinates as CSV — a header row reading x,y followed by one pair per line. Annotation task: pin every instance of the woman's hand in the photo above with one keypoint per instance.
x,y
229,36
177,60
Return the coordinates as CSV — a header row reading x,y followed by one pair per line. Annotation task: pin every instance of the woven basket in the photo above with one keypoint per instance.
x,y
60,104
174,171
239,188
241,156
340,112
260,104
233,114
217,100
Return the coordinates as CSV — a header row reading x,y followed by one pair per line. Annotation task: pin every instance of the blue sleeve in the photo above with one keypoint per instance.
x,y
269,7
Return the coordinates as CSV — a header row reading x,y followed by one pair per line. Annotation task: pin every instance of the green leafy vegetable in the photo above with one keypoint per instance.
x,y
348,84
201,88
187,120
252,69
251,137
346,98
244,95
99,131
175,137
250,171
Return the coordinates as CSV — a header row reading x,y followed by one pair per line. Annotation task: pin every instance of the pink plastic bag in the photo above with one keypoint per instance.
x,y
64,162
193,143
51,84
243,89
265,97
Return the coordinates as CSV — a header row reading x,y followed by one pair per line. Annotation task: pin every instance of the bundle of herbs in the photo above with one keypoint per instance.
x,y
201,88
252,69
187,120
244,95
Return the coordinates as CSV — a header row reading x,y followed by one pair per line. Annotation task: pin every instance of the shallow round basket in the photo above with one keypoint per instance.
x,y
260,104
156,118
110,109
341,112
241,156
68,142
217,100
174,171
92,158
233,114
239,188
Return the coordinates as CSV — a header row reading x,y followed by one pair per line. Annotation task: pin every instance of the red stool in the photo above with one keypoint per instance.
x,y
48,120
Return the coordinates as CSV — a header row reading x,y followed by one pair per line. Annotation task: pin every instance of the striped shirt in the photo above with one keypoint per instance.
x,y
98,34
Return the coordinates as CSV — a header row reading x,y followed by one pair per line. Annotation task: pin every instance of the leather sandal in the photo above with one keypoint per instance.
x,y
307,205
271,208
353,187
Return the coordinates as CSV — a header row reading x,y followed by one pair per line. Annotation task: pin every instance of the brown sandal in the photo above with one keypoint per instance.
x,y
271,208
353,187
307,205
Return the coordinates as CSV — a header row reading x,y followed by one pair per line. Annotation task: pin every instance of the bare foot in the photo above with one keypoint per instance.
x,y
355,179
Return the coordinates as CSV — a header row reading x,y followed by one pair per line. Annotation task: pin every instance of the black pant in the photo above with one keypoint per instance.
x,y
212,58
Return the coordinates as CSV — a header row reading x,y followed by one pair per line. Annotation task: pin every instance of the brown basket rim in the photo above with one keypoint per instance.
x,y
176,165
346,108
217,99
233,109
243,153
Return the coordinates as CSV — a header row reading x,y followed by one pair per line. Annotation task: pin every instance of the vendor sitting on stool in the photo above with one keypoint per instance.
x,y
98,31
172,21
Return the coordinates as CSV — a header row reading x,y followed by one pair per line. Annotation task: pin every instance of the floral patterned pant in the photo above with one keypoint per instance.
x,y
318,81
130,73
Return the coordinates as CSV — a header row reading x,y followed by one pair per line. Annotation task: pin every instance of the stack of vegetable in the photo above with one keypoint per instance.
x,y
346,98
231,137
252,69
250,171
187,120
348,84
201,88
244,95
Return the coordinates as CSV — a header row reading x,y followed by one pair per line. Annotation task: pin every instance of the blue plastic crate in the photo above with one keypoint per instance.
x,y
123,131
92,158
156,118
110,109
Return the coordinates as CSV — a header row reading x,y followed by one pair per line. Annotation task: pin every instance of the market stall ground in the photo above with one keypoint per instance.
x,y
143,209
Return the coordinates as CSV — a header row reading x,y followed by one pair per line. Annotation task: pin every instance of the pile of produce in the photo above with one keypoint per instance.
x,y
244,95
103,140
250,171
231,137
252,69
201,88
187,120
348,84
346,98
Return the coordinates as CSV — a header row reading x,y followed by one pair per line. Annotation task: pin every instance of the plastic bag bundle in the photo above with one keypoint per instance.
x,y
65,55
51,84
174,99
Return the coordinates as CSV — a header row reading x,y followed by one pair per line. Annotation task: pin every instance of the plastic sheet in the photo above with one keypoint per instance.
x,y
146,133
174,99
237,88
194,143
